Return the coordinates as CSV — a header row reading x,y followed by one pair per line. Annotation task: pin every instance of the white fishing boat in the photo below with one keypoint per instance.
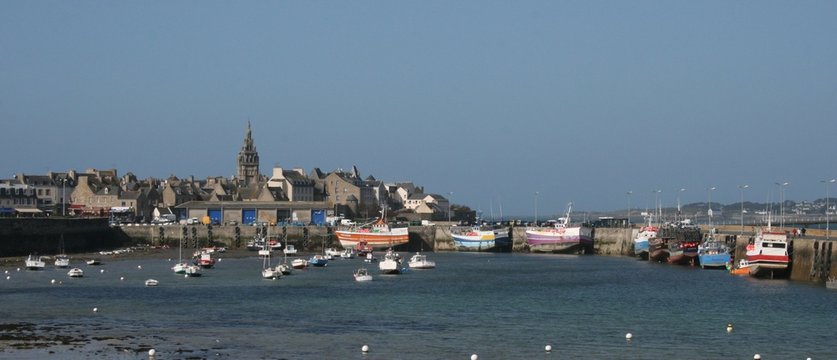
x,y
391,263
419,261
34,262
75,272
767,253
362,275
151,282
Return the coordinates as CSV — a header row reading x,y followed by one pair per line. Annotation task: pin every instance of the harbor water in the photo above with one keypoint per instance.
x,y
498,306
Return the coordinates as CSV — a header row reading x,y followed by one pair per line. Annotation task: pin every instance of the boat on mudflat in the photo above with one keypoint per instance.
x,y
377,235
767,253
479,239
560,237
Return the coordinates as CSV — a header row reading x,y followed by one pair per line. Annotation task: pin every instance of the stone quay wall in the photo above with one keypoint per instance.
x,y
24,236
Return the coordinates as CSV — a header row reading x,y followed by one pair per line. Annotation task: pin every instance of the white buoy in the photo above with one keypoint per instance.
x,y
95,309
187,275
364,348
102,271
52,281
8,277
139,267
121,278
808,359
729,327
756,357
152,352
548,348
7,271
628,336
474,357
18,269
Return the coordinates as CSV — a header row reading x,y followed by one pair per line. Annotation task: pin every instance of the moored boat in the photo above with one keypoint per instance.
x,y
831,283
377,235
204,260
742,268
299,263
391,263
560,237
62,261
362,275
713,253
767,253
34,262
93,262
75,272
682,240
151,282
479,239
289,250
318,260
420,261
641,239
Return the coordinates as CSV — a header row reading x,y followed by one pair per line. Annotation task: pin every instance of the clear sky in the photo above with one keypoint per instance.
x,y
493,101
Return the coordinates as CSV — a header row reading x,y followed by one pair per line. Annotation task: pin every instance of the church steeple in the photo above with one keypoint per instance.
x,y
248,160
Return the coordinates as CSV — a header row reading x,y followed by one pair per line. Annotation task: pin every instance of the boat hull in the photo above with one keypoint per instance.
x,y
641,248
560,240
714,260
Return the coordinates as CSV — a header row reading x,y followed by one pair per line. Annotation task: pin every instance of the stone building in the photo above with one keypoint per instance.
x,y
248,161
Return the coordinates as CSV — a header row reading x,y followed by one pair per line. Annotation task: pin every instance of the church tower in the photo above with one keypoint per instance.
x,y
248,161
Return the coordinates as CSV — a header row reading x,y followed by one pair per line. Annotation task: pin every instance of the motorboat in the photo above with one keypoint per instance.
x,y
93,262
743,268
391,263
75,272
419,261
289,250
333,253
151,282
62,261
193,271
34,262
347,254
299,263
362,275
318,260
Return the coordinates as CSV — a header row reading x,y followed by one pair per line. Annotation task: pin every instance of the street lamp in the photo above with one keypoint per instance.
x,y
677,218
629,206
782,203
709,212
827,224
741,189
450,200
658,207
536,208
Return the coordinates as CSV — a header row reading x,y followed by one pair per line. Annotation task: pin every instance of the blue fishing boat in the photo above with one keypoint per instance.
x,y
713,253
479,239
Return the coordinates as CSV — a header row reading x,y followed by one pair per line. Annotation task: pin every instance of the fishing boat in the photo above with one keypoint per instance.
x,y
34,262
419,261
391,263
62,260
362,248
743,268
362,275
682,240
559,237
151,282
75,272
713,253
204,260
641,240
767,253
477,238
377,234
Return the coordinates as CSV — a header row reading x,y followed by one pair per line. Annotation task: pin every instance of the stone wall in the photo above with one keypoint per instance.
x,y
24,236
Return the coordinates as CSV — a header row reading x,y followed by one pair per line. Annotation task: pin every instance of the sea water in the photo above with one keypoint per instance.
x,y
498,306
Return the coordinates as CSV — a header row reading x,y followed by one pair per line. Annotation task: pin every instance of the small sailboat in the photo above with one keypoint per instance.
x,y
362,275
62,261
268,272
182,266
75,272
319,260
151,282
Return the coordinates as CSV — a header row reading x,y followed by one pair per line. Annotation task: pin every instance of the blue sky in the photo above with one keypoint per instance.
x,y
492,100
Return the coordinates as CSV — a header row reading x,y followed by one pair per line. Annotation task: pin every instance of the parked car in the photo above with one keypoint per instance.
x,y
231,223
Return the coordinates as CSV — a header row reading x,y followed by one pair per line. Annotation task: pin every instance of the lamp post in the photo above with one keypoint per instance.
x,y
677,218
450,200
64,198
709,212
536,208
827,224
782,203
629,193
657,207
741,189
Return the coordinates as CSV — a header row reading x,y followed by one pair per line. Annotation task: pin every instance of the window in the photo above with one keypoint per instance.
x,y
47,192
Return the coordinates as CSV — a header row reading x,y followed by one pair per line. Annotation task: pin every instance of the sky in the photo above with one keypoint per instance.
x,y
498,105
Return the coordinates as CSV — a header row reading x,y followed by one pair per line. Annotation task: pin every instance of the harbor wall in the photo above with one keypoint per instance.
x,y
24,236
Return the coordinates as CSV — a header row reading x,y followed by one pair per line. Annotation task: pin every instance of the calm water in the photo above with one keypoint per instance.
x,y
499,306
